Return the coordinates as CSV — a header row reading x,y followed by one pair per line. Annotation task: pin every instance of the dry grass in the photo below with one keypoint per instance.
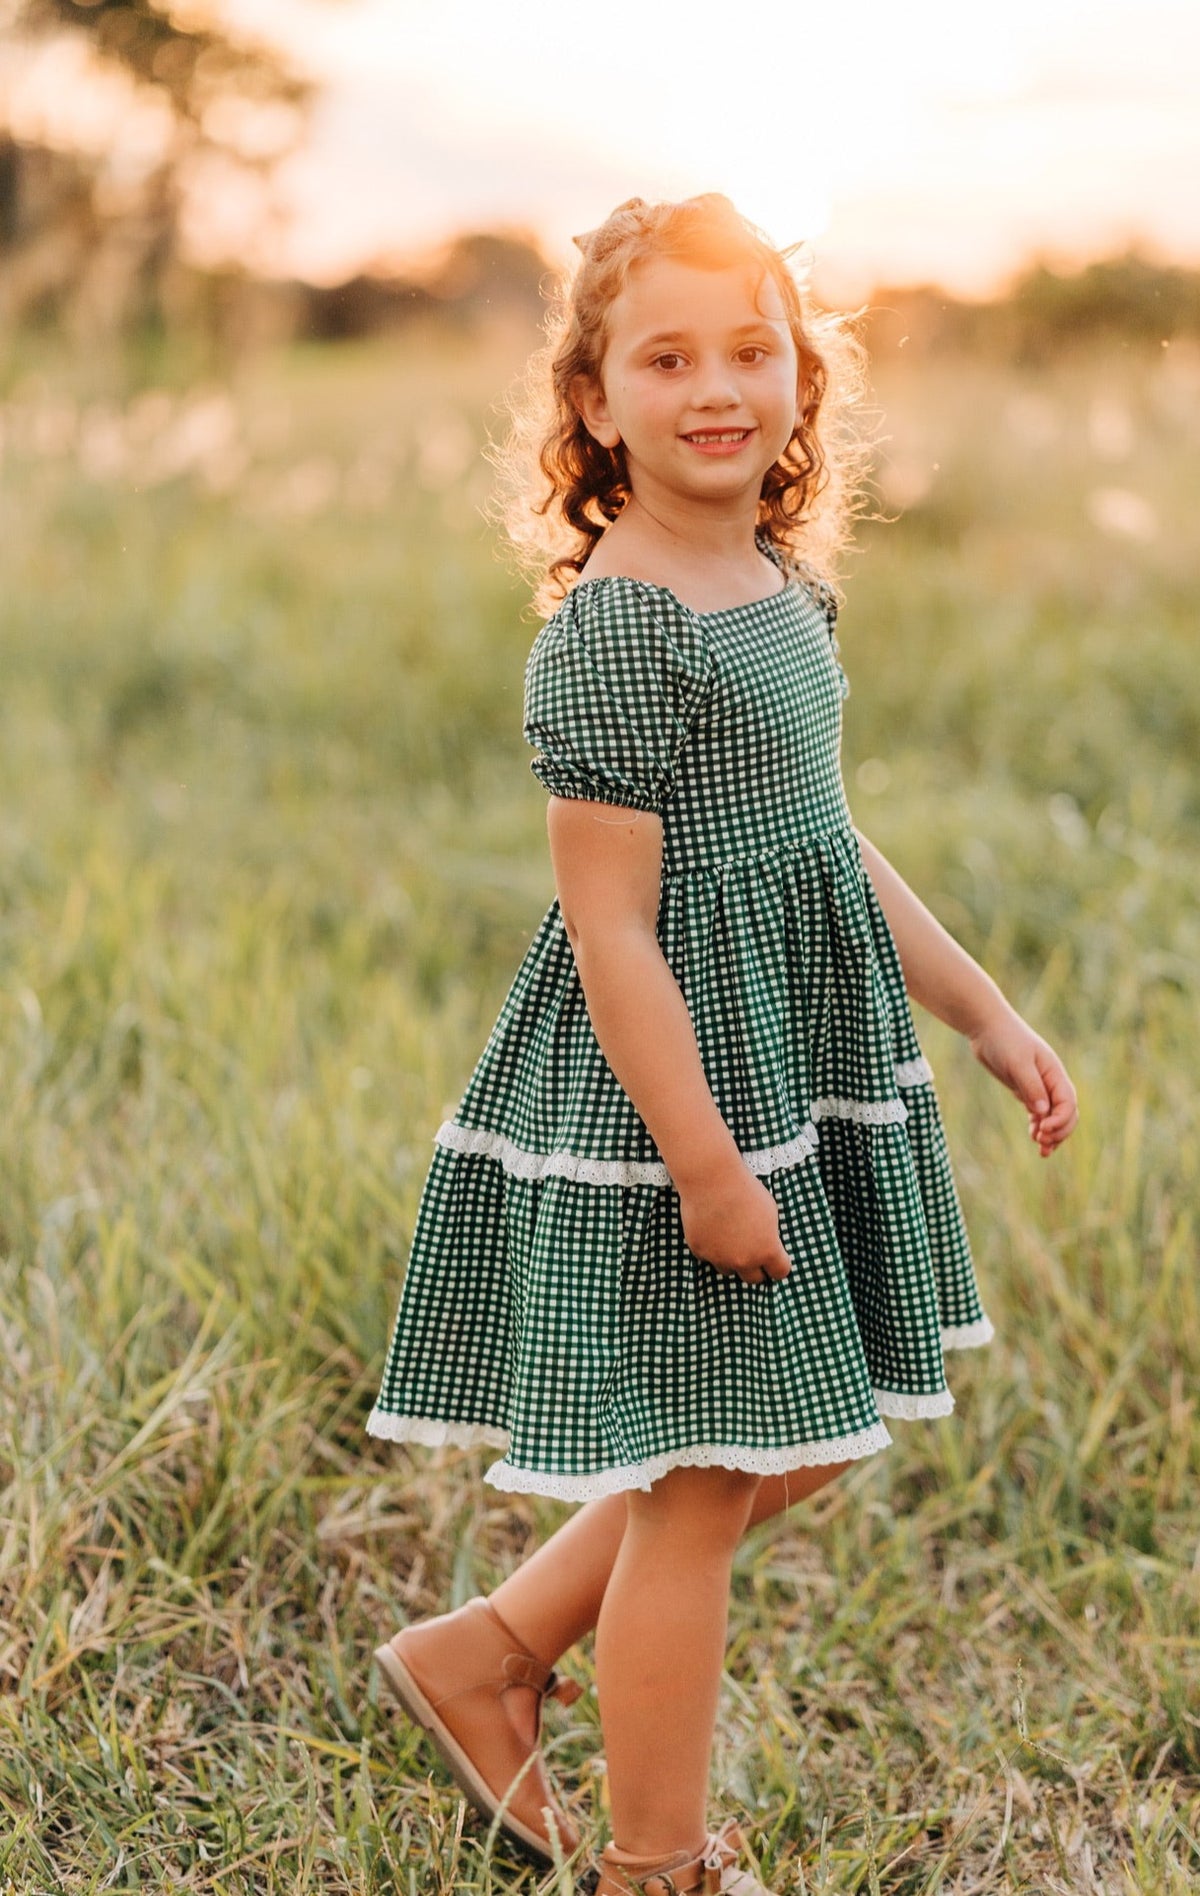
x,y
269,852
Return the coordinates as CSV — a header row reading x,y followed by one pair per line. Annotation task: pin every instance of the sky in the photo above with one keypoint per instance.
x,y
931,141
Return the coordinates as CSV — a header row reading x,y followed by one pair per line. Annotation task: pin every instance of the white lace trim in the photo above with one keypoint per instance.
x,y
774,1158
863,1112
968,1336
520,1162
914,1072
755,1461
432,1434
896,1404
903,1406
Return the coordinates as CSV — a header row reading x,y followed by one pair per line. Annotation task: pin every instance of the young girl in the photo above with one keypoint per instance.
x,y
691,1234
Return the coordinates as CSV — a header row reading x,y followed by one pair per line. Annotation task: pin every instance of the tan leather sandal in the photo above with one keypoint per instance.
x,y
450,1674
713,1873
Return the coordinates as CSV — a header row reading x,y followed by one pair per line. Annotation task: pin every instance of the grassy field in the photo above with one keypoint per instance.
x,y
269,854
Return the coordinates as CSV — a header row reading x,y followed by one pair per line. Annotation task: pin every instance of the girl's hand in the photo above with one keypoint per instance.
x,y
731,1221
1008,1047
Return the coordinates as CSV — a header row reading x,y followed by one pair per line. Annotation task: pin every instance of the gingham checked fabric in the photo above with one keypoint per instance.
x,y
551,1307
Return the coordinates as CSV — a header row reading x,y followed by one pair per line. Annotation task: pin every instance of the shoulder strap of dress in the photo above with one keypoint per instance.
x,y
791,563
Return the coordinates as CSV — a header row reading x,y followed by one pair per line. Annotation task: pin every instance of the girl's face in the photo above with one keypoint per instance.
x,y
699,381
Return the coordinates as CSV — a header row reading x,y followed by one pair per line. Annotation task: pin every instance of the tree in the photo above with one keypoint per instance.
x,y
95,237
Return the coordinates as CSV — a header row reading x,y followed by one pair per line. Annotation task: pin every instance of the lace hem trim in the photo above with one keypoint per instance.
x,y
902,1406
431,1433
755,1461
898,1405
519,1162
792,1152
968,1336
914,1072
862,1112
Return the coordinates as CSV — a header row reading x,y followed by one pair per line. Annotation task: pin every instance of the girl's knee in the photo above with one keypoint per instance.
x,y
713,1500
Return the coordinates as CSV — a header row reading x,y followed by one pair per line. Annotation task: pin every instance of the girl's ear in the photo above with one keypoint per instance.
x,y
587,393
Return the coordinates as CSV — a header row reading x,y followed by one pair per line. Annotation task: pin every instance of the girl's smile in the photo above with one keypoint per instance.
x,y
725,443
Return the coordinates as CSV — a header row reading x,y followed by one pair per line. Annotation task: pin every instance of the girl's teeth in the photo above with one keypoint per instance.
x,y
737,435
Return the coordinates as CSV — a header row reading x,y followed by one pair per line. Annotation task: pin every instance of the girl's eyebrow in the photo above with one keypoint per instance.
x,y
681,335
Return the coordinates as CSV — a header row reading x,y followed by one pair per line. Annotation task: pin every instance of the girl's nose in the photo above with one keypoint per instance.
x,y
715,386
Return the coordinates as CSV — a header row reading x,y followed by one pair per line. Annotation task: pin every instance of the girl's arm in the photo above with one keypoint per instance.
x,y
942,976
608,871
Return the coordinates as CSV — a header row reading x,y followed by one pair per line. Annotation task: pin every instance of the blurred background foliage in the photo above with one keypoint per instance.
x,y
90,239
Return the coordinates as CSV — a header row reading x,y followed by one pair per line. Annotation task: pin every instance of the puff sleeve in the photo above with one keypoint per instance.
x,y
613,687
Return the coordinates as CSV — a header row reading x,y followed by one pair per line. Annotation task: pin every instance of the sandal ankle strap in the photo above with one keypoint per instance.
x,y
677,1875
696,1879
522,1667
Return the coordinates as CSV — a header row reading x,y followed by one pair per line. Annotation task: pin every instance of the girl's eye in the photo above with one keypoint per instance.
x,y
753,351
670,360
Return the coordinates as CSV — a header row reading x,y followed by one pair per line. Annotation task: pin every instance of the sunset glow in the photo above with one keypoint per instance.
x,y
931,141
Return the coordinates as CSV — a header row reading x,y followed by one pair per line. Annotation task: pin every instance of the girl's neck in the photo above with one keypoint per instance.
x,y
708,558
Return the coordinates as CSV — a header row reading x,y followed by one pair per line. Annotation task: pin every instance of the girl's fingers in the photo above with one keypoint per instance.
x,y
1052,1106
1062,1101
1054,1128
772,1269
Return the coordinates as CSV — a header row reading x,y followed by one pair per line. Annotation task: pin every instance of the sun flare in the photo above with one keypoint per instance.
x,y
929,143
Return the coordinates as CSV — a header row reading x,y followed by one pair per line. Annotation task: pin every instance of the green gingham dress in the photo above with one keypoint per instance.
x,y
551,1307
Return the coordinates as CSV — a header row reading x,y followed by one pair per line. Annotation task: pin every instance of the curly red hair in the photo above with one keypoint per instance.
x,y
563,488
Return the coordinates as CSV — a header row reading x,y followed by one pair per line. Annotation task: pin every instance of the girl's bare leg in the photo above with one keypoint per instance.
x,y
660,1647
554,1597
